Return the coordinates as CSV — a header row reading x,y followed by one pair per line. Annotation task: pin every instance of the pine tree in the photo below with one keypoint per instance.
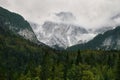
x,y
118,69
79,58
66,67
44,67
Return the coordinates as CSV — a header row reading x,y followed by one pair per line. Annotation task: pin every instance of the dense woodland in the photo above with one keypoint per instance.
x,y
22,60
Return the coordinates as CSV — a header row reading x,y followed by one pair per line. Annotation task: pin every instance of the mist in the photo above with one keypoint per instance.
x,y
88,13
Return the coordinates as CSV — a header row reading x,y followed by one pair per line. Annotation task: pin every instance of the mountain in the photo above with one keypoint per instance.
x,y
17,54
21,59
110,40
61,35
17,24
61,32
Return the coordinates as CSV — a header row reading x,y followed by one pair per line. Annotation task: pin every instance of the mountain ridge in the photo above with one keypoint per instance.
x,y
61,34
17,24
109,40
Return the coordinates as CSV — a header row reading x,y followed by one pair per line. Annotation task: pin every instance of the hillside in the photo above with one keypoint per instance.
x,y
17,24
110,40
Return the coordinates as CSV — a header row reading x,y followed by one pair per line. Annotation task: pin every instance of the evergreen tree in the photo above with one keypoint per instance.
x,y
44,67
118,69
79,58
66,64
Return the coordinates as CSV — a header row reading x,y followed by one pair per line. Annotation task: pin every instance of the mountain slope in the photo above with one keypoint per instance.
x,y
17,24
61,35
17,54
107,41
61,31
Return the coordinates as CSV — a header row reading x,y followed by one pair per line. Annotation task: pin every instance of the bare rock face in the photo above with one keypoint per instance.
x,y
61,34
109,40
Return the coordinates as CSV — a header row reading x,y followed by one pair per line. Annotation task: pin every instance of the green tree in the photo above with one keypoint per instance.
x,y
118,69
88,75
79,58
66,66
45,67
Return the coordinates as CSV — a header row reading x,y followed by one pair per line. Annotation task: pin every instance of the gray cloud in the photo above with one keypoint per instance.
x,y
65,16
89,13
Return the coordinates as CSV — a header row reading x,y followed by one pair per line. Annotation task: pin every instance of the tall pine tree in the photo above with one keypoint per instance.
x,y
118,69
79,58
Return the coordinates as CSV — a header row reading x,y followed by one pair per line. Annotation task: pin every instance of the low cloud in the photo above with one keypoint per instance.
x,y
88,13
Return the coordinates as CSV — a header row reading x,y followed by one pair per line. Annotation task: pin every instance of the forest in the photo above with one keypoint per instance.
x,y
21,59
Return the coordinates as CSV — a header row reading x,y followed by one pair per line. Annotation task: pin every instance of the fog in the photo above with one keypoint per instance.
x,y
88,13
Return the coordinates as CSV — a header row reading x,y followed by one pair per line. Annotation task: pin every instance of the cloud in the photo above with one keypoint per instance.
x,y
65,16
88,13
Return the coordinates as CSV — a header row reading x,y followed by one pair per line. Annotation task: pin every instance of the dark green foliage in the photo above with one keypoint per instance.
x,y
13,19
118,69
15,23
21,59
79,58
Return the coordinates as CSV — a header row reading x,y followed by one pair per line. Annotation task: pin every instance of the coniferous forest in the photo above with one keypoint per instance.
x,y
22,60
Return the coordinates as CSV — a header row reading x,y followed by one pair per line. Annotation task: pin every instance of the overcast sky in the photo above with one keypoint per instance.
x,y
88,13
